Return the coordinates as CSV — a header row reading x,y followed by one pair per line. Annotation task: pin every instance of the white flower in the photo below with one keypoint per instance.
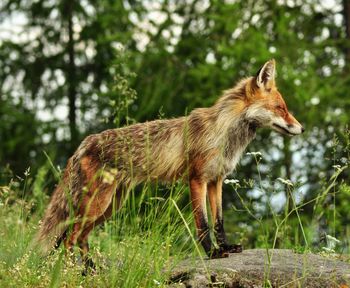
x,y
328,250
231,181
254,153
27,172
286,181
331,242
337,167
331,238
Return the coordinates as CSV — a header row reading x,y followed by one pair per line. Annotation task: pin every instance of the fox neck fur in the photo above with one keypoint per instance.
x,y
223,131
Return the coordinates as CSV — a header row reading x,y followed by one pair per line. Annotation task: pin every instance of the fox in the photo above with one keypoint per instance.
x,y
201,149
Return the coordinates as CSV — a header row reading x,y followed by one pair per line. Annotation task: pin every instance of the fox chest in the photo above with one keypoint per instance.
x,y
221,165
226,160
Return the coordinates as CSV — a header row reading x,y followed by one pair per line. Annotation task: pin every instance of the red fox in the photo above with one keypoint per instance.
x,y
201,148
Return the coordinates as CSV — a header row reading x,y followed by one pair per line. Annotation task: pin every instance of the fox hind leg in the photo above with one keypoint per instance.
x,y
82,240
83,244
92,206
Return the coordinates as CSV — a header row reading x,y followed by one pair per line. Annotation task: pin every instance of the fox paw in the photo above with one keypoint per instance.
x,y
218,253
232,248
89,268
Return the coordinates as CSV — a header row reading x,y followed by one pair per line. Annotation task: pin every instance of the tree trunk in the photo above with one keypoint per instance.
x,y
71,77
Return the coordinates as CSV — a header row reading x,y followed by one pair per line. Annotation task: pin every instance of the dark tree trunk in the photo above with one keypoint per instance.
x,y
71,77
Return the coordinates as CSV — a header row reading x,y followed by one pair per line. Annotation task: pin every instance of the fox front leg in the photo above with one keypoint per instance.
x,y
215,199
198,197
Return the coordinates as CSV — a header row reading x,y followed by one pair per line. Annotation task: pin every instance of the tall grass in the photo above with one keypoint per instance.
x,y
290,228
142,243
138,247
154,231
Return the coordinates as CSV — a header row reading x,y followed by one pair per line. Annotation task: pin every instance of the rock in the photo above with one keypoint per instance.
x,y
259,268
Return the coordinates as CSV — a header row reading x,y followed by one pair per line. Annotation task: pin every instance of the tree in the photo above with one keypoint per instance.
x,y
184,53
63,59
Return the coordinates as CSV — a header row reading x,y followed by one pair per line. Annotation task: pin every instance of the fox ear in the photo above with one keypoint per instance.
x,y
265,78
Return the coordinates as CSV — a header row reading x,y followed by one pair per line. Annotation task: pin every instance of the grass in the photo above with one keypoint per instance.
x,y
137,248
151,234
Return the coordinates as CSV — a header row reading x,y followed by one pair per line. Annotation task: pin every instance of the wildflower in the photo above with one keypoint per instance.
x,y
231,181
254,153
19,178
337,167
286,181
332,242
327,250
27,172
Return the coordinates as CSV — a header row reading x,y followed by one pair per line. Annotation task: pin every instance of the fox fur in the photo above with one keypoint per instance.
x,y
201,149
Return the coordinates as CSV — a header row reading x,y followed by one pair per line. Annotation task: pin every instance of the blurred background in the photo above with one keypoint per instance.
x,y
70,68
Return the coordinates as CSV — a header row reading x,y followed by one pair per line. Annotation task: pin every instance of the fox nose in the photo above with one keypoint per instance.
x,y
302,129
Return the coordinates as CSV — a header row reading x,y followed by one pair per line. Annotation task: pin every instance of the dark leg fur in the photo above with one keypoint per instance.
x,y
215,197
198,197
89,265
204,233
221,239
60,239
204,239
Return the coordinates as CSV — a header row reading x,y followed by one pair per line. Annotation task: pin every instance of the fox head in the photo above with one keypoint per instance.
x,y
266,106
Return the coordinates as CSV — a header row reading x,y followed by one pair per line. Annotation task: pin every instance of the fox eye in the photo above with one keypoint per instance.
x,y
280,107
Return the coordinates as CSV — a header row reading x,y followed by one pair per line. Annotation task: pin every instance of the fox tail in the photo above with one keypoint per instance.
x,y
54,225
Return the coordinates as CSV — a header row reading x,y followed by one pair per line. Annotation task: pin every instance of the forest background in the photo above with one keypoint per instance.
x,y
71,68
